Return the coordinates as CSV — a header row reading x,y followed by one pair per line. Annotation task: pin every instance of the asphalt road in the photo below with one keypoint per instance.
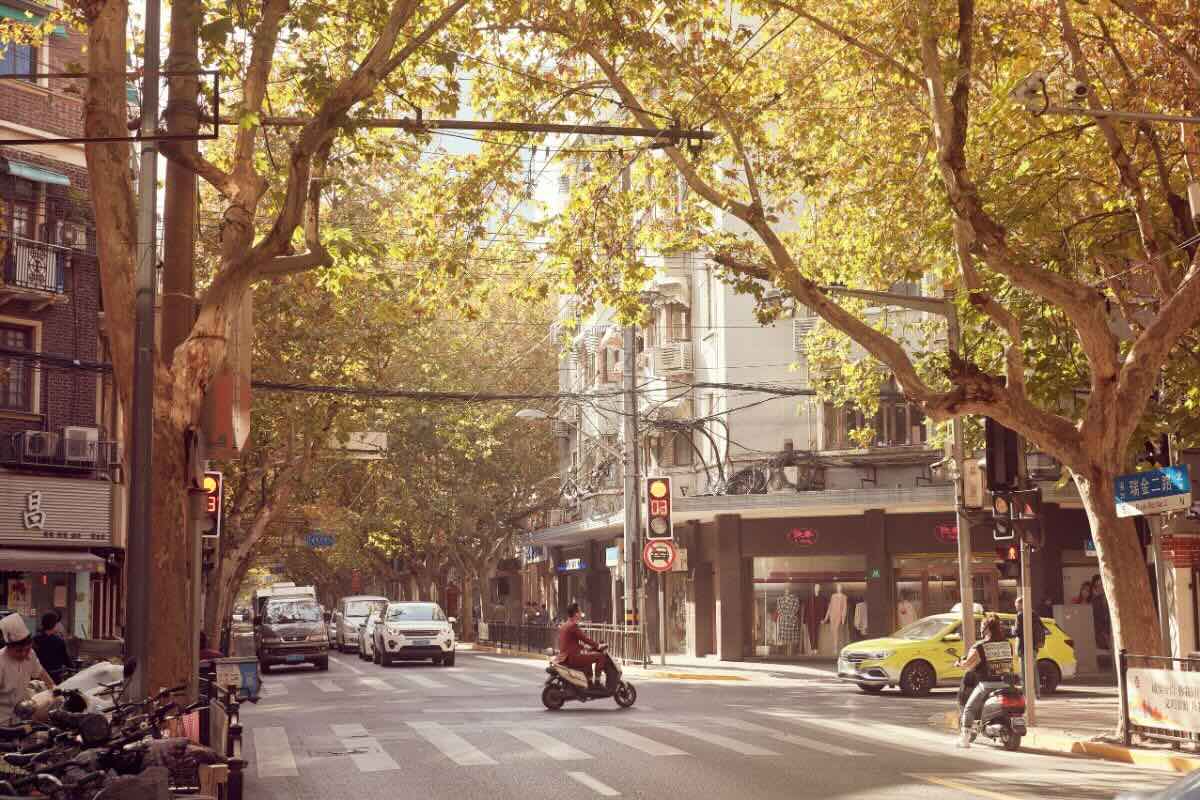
x,y
478,730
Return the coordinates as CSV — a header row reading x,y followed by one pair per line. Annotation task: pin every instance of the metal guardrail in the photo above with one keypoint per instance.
x,y
30,264
625,642
1167,665
221,729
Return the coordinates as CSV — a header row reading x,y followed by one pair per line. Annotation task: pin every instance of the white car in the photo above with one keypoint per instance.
x,y
366,649
412,632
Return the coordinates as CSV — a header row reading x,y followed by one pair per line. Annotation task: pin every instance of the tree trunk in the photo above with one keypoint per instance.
x,y
172,642
1122,567
467,620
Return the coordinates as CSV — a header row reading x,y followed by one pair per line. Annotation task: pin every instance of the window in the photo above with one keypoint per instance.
x,y
682,442
897,423
675,317
18,59
16,375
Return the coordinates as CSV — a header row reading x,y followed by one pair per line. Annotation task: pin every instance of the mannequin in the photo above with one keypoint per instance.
x,y
787,608
836,615
860,618
814,614
906,614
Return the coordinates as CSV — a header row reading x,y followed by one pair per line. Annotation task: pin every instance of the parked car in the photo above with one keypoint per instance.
x,y
350,614
366,642
414,631
921,656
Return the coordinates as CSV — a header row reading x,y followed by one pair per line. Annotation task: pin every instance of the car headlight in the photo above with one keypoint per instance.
x,y
878,655
271,640
318,637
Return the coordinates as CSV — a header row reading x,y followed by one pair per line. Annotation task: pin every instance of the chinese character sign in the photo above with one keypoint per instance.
x,y
35,517
1153,492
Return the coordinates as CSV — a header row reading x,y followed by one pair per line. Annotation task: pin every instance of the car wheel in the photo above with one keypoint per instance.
x,y
321,664
448,660
870,688
552,698
917,679
437,661
1050,675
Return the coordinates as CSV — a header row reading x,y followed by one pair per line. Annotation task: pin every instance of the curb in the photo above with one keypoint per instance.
x,y
1049,740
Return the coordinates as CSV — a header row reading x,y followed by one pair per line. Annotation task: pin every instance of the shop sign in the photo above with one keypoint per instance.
x,y
571,565
534,554
946,533
1163,698
42,510
805,537
1153,492
875,574
1089,547
612,556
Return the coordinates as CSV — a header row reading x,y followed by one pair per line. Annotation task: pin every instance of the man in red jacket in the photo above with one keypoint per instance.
x,y
570,647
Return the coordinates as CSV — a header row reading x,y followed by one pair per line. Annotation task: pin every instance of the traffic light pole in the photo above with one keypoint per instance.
x,y
629,470
966,585
1160,582
1029,670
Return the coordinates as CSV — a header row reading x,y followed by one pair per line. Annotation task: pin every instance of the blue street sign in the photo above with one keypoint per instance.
x,y
319,540
1153,492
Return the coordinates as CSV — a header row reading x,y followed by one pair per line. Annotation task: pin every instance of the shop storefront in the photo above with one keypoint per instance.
x,y
584,578
56,550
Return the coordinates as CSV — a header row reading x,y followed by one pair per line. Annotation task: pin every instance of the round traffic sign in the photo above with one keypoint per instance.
x,y
660,554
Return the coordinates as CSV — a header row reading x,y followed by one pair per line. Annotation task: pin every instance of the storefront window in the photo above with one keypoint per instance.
x,y
805,605
928,584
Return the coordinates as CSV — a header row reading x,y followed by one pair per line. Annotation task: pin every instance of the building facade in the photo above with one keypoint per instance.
x,y
59,469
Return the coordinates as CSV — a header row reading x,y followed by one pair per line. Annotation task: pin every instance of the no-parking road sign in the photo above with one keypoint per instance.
x,y
660,554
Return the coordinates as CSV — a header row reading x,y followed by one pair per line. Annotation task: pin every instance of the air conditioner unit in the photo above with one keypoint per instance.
x,y
675,357
39,444
79,444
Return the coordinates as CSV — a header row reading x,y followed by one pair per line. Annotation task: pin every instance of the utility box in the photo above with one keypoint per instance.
x,y
240,673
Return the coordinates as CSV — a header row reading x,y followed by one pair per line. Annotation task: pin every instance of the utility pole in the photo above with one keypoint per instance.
x,y
1030,678
966,587
140,574
632,539
179,245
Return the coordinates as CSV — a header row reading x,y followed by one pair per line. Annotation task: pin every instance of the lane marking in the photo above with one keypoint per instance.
x,y
962,787
273,689
548,745
602,789
910,740
453,746
347,665
498,710
524,662
273,753
422,681
365,750
511,681
326,685
472,680
634,740
778,735
377,683
743,748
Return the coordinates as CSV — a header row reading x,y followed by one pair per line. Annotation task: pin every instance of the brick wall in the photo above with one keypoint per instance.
x,y
68,396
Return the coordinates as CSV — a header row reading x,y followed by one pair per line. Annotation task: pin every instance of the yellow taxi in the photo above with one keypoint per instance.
x,y
921,656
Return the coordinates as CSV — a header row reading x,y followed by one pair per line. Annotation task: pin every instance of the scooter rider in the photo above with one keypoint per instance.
x,y
981,676
571,653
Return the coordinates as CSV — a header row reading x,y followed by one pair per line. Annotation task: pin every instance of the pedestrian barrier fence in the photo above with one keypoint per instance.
x,y
1160,698
626,643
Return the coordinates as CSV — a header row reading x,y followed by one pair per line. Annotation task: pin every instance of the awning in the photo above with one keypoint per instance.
x,y
29,172
29,18
14,560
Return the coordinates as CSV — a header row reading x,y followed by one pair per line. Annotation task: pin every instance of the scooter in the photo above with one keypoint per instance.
x,y
564,683
1003,717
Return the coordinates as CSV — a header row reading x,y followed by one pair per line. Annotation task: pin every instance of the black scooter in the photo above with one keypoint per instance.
x,y
1003,716
564,683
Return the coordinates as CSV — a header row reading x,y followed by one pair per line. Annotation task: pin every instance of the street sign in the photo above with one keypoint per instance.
x,y
1153,491
319,540
660,554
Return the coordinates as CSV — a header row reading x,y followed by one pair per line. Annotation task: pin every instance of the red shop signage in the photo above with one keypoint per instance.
x,y
803,536
946,533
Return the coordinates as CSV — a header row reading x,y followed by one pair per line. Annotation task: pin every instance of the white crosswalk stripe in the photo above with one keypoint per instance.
x,y
326,685
549,745
273,689
782,736
421,680
472,680
744,748
453,746
273,753
366,752
602,789
378,683
511,681
348,665
634,740
896,737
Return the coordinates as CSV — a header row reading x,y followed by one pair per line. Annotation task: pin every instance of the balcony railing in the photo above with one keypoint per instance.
x,y
51,450
29,264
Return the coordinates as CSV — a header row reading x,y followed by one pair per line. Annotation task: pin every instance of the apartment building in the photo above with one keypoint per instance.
x,y
777,508
59,547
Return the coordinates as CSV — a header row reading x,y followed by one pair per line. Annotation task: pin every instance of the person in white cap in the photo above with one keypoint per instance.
x,y
18,664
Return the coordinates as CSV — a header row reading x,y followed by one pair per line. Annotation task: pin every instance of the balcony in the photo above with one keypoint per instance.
x,y
32,271
74,450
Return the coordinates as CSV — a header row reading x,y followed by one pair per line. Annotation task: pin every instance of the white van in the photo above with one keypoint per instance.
x,y
351,613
